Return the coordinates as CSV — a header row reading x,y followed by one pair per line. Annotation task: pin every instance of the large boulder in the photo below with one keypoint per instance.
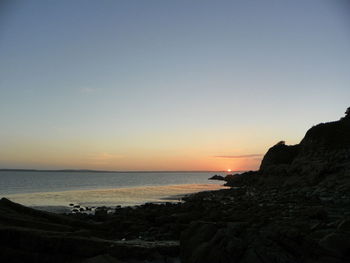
x,y
205,242
279,156
208,242
337,243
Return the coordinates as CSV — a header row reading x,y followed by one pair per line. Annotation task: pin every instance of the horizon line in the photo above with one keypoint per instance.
x,y
110,171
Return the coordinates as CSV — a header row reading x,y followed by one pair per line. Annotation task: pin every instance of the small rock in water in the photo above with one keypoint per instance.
x,y
217,177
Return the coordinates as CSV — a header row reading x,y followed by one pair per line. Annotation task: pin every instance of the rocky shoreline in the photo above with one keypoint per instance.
x,y
242,224
295,208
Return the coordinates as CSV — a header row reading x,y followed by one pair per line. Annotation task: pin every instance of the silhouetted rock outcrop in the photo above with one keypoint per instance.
x,y
217,177
278,156
324,151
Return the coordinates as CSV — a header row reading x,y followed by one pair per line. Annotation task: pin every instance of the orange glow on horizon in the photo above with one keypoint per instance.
x,y
86,156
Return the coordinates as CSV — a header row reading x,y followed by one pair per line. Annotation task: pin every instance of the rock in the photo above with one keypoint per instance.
x,y
324,151
217,177
337,243
102,259
205,242
28,235
344,225
278,155
243,179
317,213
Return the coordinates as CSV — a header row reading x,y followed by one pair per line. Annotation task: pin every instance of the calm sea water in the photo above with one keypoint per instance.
x,y
14,182
96,189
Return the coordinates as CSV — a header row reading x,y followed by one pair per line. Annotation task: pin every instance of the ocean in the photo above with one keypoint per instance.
x,y
59,189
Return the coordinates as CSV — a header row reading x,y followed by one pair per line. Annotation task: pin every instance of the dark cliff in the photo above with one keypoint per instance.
x,y
323,155
325,148
279,155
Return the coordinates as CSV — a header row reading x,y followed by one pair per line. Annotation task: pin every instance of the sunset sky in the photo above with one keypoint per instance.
x,y
166,85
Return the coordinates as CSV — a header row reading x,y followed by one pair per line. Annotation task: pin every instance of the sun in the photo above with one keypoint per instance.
x,y
229,170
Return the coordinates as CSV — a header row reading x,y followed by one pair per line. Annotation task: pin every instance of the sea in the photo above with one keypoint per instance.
x,y
57,191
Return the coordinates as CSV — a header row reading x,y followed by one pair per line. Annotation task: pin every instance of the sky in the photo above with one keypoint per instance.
x,y
166,85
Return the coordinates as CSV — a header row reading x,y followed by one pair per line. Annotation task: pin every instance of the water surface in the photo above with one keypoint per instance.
x,y
38,188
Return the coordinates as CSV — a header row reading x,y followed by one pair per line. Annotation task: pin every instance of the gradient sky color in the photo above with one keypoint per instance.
x,y
166,85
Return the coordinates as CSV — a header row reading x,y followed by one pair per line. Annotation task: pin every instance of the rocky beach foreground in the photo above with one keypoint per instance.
x,y
295,208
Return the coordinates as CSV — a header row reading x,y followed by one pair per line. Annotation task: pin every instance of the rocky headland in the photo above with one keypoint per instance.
x,y
295,208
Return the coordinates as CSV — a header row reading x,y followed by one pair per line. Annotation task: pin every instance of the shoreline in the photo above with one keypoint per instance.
x,y
69,209
111,197
248,215
174,199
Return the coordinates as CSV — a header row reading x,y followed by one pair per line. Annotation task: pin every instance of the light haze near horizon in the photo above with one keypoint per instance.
x,y
166,85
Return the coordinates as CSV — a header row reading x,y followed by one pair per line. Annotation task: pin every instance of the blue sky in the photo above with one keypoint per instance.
x,y
154,85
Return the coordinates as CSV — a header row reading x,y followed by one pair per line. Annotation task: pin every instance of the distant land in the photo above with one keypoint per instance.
x,y
104,171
